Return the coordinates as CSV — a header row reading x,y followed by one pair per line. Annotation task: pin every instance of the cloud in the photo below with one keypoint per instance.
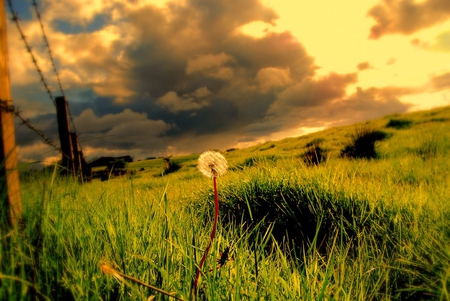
x,y
441,82
337,109
407,16
185,102
370,103
125,133
37,153
270,78
88,122
211,65
312,93
363,66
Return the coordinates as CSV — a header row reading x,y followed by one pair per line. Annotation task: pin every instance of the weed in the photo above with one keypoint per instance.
x,y
170,166
362,143
399,124
315,153
429,147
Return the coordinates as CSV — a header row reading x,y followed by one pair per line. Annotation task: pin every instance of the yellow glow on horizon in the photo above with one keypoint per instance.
x,y
427,100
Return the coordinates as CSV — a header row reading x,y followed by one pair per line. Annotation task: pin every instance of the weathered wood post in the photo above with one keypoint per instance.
x,y
64,135
87,171
76,155
11,205
76,150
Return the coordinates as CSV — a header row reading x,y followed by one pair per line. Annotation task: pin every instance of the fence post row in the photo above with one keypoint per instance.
x,y
65,140
73,161
11,210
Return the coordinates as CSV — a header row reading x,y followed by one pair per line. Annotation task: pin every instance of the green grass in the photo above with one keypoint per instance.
x,y
357,229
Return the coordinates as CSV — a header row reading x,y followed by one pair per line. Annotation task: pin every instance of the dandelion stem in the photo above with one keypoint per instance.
x,y
213,233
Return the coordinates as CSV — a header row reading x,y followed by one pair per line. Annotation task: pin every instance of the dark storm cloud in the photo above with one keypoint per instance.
x,y
198,48
310,93
407,16
196,73
164,44
123,131
46,123
181,73
361,105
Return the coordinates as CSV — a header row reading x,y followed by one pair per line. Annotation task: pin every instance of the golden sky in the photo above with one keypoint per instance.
x,y
337,34
151,77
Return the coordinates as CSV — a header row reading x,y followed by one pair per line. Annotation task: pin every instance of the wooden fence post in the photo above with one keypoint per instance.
x,y
64,135
76,155
9,175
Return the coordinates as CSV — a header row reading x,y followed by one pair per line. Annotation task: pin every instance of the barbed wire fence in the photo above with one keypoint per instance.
x,y
44,36
15,19
5,104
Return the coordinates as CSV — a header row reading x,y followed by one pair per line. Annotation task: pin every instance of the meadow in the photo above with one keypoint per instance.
x,y
303,219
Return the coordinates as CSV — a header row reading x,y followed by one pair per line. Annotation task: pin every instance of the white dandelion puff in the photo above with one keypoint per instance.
x,y
212,164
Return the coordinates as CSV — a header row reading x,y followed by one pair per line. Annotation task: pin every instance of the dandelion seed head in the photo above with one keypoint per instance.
x,y
212,164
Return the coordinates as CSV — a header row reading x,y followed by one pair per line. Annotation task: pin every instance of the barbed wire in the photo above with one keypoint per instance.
x,y
48,46
15,18
51,59
6,106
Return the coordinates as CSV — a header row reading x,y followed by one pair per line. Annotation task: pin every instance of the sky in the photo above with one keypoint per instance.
x,y
158,78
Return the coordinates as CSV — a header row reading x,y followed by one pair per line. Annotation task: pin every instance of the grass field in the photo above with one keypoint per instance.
x,y
341,228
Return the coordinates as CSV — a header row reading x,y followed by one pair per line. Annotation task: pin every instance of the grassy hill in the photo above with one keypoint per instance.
x,y
359,212
420,132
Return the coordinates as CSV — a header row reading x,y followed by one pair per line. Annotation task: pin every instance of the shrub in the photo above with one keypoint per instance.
x,y
302,211
170,166
267,147
362,143
118,164
315,153
440,119
399,124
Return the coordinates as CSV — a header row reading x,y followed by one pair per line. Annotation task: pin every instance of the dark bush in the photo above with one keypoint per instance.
x,y
170,166
362,144
267,147
118,164
304,212
440,119
315,153
399,124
